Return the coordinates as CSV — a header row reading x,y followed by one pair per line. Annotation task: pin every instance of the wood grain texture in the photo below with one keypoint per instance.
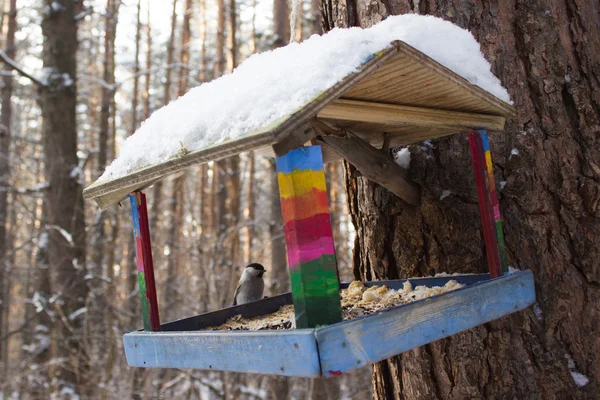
x,y
412,78
289,353
353,344
388,117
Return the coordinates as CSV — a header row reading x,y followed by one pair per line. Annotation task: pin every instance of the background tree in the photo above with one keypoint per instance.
x,y
546,162
9,27
62,260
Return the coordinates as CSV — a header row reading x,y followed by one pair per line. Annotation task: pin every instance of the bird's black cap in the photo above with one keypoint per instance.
x,y
256,266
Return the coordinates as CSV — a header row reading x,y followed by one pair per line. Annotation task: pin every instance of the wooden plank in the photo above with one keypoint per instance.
x,y
354,344
108,193
413,78
143,256
372,163
392,115
309,238
288,353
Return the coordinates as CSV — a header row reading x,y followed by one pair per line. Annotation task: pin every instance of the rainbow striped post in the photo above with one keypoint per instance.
x,y
307,228
143,255
488,203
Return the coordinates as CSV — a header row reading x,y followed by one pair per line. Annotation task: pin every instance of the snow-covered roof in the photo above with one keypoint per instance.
x,y
412,77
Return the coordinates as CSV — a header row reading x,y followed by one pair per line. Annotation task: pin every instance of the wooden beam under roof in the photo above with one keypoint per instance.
x,y
389,117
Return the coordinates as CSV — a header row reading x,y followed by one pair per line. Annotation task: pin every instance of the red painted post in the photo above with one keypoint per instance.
x,y
145,267
484,193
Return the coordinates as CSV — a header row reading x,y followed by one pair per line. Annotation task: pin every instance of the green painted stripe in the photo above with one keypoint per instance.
x,y
316,296
144,299
501,247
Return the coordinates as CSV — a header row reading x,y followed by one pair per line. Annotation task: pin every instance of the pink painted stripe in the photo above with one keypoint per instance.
x,y
497,212
310,251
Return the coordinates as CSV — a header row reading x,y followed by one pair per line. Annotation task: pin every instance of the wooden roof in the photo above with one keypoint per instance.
x,y
400,92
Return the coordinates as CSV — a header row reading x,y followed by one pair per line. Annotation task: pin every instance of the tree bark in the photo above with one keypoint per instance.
x,y
547,161
99,346
5,171
219,65
279,279
281,22
231,36
63,272
177,203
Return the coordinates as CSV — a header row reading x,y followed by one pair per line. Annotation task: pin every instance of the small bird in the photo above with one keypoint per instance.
x,y
251,285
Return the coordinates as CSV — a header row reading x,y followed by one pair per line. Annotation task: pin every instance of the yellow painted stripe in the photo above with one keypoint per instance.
x,y
298,183
488,160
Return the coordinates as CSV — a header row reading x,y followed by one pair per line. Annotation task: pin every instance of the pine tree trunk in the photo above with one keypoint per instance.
x,y
177,195
281,22
545,54
5,168
63,202
99,344
157,193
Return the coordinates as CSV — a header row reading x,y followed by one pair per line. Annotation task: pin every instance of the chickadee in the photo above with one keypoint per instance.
x,y
251,285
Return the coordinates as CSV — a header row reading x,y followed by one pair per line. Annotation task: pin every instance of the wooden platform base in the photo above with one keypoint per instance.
x,y
334,349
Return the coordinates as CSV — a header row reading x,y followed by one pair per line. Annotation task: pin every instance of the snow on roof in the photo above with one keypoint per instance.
x,y
271,85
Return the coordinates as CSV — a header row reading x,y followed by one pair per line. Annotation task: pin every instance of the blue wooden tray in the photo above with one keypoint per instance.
x,y
334,349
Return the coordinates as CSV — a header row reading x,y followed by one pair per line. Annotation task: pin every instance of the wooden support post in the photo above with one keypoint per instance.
x,y
309,239
374,164
488,203
145,268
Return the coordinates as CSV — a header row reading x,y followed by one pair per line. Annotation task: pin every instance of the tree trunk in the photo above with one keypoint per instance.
x,y
63,202
281,22
219,66
250,209
5,134
231,37
157,193
98,344
136,69
547,161
177,203
203,28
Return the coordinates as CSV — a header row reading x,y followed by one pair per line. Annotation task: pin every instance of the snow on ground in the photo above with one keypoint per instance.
x,y
273,84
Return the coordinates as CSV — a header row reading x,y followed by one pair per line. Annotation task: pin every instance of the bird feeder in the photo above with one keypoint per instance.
x,y
397,97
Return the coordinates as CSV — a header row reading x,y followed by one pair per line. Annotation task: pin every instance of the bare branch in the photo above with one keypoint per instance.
x,y
31,190
10,62
83,14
